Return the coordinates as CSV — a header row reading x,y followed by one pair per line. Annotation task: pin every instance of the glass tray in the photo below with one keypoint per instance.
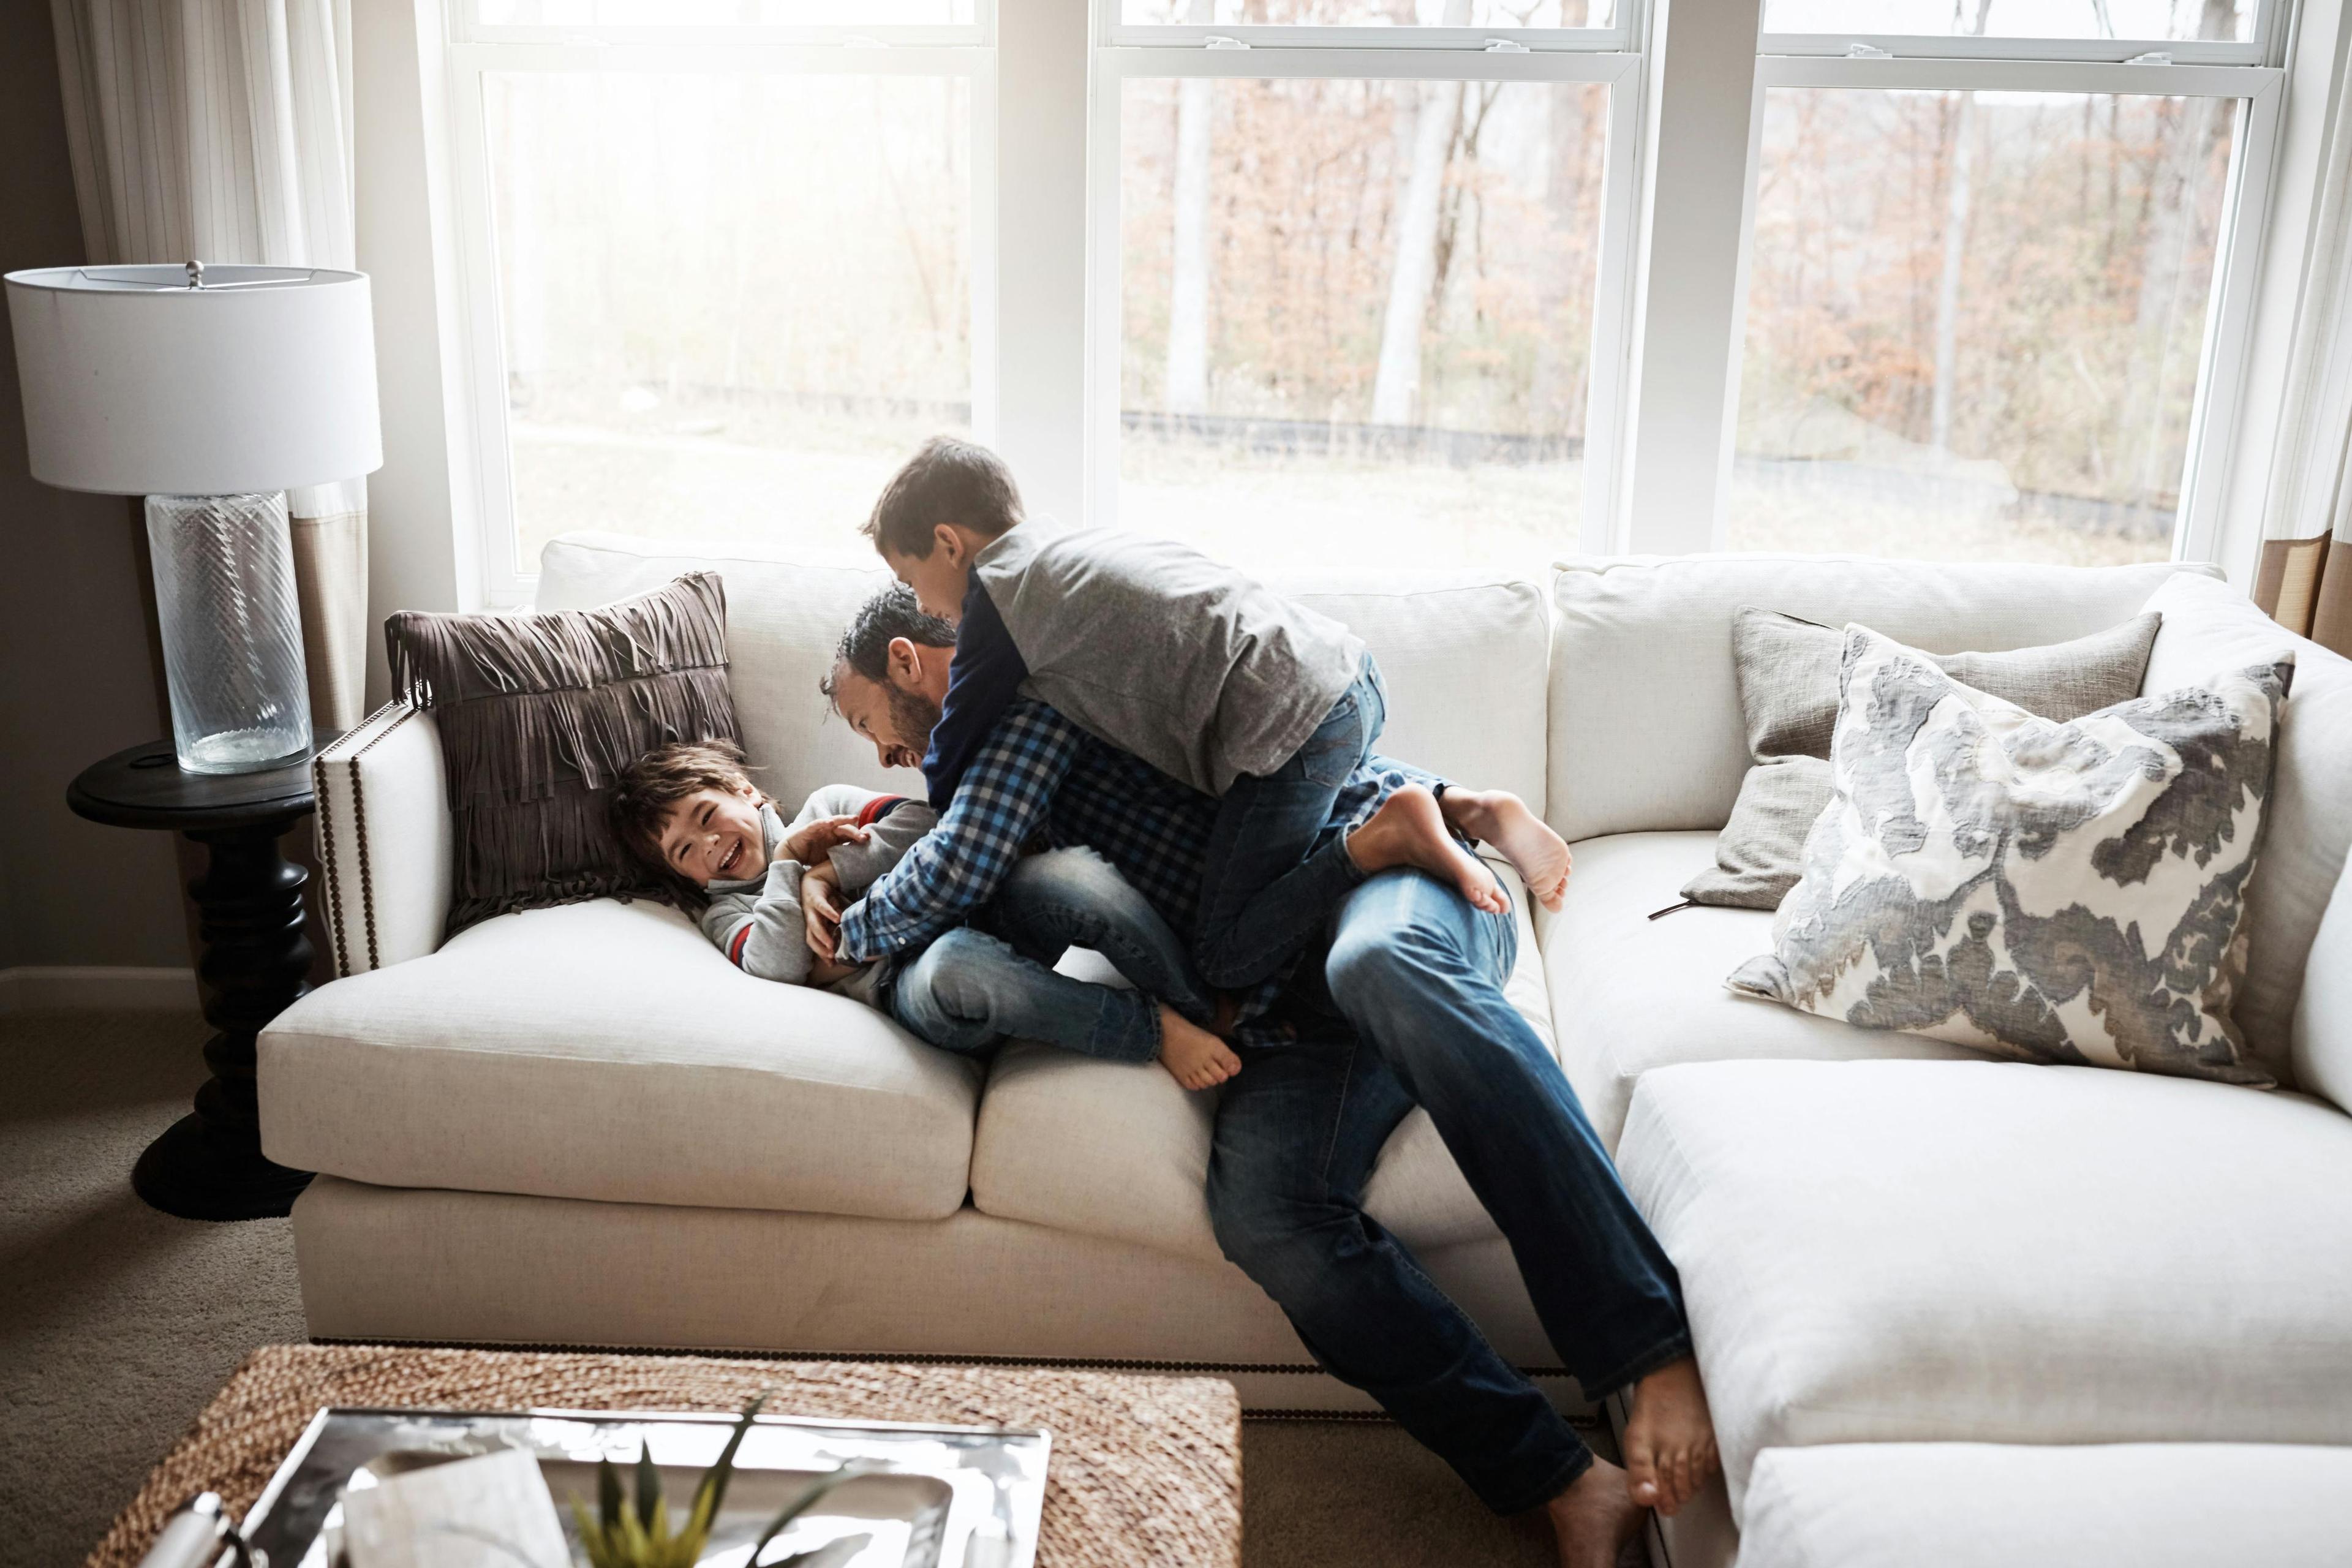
x,y
948,1496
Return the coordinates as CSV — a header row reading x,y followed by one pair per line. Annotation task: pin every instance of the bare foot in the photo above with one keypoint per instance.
x,y
1670,1438
1409,830
1502,819
1194,1056
1596,1518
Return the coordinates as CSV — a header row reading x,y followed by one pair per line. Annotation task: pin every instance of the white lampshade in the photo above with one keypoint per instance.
x,y
136,384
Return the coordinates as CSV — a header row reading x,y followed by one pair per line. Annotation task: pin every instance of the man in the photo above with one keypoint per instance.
x,y
1403,1005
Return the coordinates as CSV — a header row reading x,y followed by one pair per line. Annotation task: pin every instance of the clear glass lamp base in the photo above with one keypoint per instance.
x,y
232,631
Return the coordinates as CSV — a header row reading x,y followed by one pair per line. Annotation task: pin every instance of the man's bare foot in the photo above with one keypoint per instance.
x,y
1194,1056
1498,818
1596,1518
1669,1437
1409,830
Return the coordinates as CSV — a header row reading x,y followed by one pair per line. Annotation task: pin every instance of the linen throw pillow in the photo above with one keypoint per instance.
x,y
538,714
1787,670
2060,892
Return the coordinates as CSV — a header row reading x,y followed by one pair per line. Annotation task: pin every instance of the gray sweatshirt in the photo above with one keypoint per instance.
x,y
1198,669
758,923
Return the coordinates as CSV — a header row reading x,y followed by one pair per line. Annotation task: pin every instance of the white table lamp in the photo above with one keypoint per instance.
x,y
210,391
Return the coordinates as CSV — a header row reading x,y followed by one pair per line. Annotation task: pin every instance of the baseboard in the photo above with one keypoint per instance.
x,y
96,988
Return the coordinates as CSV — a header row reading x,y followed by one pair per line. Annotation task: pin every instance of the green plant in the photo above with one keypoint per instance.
x,y
622,1534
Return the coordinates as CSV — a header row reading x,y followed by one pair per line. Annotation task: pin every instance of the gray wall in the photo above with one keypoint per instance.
x,y
76,679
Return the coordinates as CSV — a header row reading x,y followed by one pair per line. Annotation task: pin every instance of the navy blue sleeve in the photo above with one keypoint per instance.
x,y
983,681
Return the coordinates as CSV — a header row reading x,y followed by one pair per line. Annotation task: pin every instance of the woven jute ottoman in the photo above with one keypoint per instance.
x,y
1144,1470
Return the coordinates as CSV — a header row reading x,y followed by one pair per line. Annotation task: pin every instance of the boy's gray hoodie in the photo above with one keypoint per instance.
x,y
758,923
1198,669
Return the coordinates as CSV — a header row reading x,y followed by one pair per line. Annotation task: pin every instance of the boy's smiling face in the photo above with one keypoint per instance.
x,y
713,836
940,578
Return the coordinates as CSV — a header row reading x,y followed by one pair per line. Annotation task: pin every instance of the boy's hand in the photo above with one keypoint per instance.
x,y
813,843
821,911
824,971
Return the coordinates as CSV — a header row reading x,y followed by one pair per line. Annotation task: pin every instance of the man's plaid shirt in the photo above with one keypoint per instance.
x,y
1038,774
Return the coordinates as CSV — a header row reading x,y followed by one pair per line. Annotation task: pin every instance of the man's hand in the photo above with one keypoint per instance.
x,y
815,842
821,911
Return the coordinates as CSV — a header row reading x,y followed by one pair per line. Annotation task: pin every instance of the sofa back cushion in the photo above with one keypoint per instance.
x,y
2210,625
1645,727
1462,656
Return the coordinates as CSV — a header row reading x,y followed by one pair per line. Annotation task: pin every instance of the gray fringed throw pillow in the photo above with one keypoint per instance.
x,y
1788,675
2057,892
538,714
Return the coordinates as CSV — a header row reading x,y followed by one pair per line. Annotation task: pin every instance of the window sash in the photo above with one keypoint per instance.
x,y
504,582
1605,435
2223,356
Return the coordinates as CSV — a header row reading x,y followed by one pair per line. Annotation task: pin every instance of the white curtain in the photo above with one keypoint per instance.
x,y
220,131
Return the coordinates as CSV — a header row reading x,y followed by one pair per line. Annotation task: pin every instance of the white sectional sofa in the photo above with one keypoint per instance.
x,y
582,1126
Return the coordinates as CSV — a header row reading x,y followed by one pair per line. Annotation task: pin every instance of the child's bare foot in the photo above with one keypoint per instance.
x,y
1502,819
1596,1518
1194,1056
1409,830
1669,1437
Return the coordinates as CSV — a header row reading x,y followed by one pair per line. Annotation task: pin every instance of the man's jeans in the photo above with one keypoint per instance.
x,y
1264,896
971,989
1416,977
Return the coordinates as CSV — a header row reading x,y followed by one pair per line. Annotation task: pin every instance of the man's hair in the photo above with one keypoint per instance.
x,y
865,647
642,796
951,481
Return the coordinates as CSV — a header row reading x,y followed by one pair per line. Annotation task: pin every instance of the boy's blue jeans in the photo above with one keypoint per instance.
x,y
1415,1015
1262,895
972,989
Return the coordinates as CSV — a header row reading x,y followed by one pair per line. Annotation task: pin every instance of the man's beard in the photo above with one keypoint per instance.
x,y
914,716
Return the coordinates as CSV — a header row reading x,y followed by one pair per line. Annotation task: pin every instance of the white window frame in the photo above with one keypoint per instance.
x,y
1604,56
475,50
1045,79
2249,72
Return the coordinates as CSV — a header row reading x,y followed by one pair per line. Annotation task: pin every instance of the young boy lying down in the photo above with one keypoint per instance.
x,y
693,812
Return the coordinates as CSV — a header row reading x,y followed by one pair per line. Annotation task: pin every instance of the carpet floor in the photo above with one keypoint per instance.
x,y
118,1324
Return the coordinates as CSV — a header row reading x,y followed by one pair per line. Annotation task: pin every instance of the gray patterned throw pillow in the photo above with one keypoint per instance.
x,y
2058,892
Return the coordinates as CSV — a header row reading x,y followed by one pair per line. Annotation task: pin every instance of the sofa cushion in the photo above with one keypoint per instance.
x,y
1630,994
1645,729
1974,1505
2211,625
1997,1252
606,1050
2323,1015
1463,657
1119,1152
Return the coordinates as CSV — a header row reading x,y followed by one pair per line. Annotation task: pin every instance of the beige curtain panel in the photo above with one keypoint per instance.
x,y
221,130
2305,580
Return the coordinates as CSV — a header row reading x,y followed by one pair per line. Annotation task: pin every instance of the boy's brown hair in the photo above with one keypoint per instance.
x,y
646,790
962,483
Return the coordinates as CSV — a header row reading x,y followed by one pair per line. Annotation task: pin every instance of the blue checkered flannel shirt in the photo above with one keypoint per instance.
x,y
1039,774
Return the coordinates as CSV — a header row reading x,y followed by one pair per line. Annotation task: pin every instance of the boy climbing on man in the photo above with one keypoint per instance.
x,y
1205,674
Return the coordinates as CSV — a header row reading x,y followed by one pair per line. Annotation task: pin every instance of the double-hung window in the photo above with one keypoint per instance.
x,y
726,262
1359,273
1999,262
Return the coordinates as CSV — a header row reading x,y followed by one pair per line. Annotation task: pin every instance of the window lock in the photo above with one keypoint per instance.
x,y
2153,57
1506,46
1221,41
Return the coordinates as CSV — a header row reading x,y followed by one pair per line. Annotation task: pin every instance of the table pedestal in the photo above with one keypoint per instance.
x,y
209,1164
256,964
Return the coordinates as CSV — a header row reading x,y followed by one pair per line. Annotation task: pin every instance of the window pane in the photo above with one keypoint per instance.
x,y
731,302
723,13
1358,315
1372,13
2231,19
1975,321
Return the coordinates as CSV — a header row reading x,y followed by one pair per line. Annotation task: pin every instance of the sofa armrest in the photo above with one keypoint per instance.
x,y
384,839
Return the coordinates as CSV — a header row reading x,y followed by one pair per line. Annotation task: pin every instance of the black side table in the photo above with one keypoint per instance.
x,y
256,962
